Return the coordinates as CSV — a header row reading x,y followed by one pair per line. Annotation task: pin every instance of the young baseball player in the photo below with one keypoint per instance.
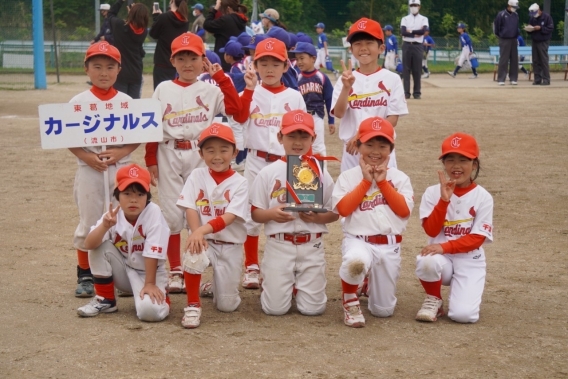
x,y
294,260
127,249
376,202
102,65
391,50
290,76
268,104
215,200
521,42
189,107
234,54
317,91
367,92
466,53
323,59
428,46
457,215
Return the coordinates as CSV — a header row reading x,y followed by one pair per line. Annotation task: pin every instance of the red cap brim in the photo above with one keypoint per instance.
x,y
193,49
293,128
271,54
125,183
458,151
200,143
370,135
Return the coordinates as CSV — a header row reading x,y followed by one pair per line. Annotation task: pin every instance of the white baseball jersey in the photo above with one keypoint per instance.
x,y
148,238
202,194
471,213
269,191
414,22
374,215
380,94
87,97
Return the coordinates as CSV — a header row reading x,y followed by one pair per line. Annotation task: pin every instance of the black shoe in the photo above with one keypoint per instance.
x,y
407,96
545,84
537,83
417,97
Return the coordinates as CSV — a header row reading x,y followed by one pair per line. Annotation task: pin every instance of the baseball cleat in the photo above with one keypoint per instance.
x,y
451,73
206,289
192,317
432,308
527,75
513,83
426,76
363,289
251,279
353,316
85,287
175,282
96,306
473,77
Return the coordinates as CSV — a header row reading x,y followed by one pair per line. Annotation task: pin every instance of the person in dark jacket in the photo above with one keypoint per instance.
x,y
129,38
105,33
167,27
541,34
506,27
225,20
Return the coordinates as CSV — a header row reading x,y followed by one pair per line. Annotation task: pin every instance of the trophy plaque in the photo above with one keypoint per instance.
x,y
304,184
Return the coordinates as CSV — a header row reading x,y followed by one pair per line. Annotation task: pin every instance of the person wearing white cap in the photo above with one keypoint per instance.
x,y
105,34
412,28
506,27
543,26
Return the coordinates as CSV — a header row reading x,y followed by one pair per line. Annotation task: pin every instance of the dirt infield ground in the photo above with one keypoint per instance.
x,y
522,132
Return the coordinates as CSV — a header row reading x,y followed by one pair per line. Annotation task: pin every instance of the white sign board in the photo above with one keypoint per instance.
x,y
112,122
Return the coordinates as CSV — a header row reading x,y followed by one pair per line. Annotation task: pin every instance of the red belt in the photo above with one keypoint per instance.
x,y
181,144
297,238
217,242
381,240
267,156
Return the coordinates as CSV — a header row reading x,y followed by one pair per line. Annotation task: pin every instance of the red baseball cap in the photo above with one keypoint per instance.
x,y
103,48
271,47
365,25
188,42
133,173
460,143
375,127
217,131
297,120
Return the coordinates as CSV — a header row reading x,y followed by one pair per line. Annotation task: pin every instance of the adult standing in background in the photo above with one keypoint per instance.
x,y
270,18
412,28
105,34
197,27
225,20
543,28
506,27
167,27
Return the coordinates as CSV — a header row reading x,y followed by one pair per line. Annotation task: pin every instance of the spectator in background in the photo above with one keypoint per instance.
x,y
227,19
412,28
129,39
105,34
167,27
506,27
197,27
428,46
541,34
270,18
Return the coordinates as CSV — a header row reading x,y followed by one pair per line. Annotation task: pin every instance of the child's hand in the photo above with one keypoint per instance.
x,y
196,243
109,220
309,217
432,250
211,68
347,77
156,294
279,215
153,174
447,187
111,155
331,128
250,77
380,172
351,146
95,162
367,170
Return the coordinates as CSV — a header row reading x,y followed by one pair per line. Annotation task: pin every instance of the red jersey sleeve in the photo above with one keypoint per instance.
x,y
395,200
435,222
351,201
232,100
151,156
246,98
463,244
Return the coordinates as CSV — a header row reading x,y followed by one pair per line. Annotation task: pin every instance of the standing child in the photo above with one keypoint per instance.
x,y
127,249
290,76
323,59
428,46
376,202
317,91
294,257
367,92
234,54
391,51
457,215
466,53
521,42
215,200
102,65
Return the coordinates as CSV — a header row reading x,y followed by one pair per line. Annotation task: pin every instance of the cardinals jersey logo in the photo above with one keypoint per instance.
x,y
200,103
455,142
122,245
278,192
133,172
141,232
226,200
365,101
264,121
382,87
287,107
177,119
472,212
203,203
362,25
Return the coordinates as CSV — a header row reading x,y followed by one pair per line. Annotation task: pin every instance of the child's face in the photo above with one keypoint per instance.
x,y
102,71
459,168
132,203
217,154
188,66
388,33
374,151
296,143
426,33
305,62
460,30
319,30
367,51
229,59
270,70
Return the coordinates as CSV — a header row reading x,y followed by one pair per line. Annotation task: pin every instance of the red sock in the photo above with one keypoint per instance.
x,y
105,290
83,259
251,251
349,289
174,252
192,282
433,288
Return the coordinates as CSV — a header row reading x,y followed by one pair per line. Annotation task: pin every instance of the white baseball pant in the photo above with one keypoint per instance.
x,y
464,273
318,147
382,262
425,60
227,262
349,161
390,61
253,165
320,59
464,56
174,167
107,260
286,265
89,194
354,62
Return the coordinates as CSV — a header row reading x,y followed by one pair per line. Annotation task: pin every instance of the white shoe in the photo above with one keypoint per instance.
x,y
251,279
175,282
206,289
514,83
501,83
473,77
431,309
96,306
451,73
192,317
336,73
527,75
353,316
426,76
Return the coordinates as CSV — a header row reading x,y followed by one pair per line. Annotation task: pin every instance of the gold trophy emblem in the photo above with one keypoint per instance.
x,y
305,177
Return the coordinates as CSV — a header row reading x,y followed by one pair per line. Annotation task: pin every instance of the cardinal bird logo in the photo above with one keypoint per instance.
x,y
227,195
277,185
201,195
200,103
382,86
141,232
287,108
278,192
168,109
256,110
472,212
